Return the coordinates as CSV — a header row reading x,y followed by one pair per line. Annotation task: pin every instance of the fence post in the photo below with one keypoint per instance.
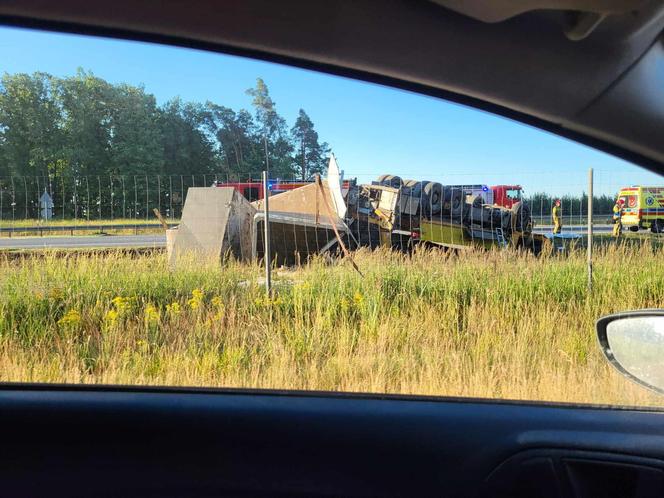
x,y
266,235
590,229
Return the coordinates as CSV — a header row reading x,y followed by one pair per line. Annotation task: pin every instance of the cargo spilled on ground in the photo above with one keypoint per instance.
x,y
481,323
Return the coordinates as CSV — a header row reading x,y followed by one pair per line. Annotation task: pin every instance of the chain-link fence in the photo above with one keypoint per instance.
x,y
448,197
102,198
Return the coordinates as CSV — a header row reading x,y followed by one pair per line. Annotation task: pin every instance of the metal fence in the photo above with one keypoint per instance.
x,y
92,199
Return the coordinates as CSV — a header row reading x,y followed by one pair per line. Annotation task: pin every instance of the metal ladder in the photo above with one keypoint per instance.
x,y
502,241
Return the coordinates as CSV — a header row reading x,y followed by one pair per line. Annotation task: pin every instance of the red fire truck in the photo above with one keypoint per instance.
x,y
506,195
252,190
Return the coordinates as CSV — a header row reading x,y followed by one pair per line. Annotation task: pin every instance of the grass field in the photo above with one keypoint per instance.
x,y
481,324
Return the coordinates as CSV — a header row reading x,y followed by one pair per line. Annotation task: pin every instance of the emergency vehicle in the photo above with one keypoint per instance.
x,y
252,189
501,195
643,208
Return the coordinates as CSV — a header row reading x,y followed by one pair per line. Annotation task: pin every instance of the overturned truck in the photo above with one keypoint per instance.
x,y
400,214
322,216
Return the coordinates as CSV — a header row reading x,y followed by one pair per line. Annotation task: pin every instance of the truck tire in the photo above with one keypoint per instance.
x,y
657,226
521,220
390,181
433,192
475,200
408,186
453,202
415,189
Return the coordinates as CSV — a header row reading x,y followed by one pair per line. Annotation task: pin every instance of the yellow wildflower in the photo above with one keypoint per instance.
x,y
173,309
220,308
196,300
151,314
358,298
122,304
70,319
111,318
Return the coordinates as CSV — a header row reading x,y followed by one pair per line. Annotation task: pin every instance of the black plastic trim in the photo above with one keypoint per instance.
x,y
292,393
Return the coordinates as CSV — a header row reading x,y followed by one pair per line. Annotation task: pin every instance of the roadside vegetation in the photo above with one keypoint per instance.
x,y
485,324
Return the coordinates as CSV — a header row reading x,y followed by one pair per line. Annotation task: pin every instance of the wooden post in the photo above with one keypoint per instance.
x,y
161,219
590,229
266,236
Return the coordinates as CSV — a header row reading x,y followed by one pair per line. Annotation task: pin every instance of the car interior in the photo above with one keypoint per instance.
x,y
588,70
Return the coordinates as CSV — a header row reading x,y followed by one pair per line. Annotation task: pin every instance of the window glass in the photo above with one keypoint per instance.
x,y
403,257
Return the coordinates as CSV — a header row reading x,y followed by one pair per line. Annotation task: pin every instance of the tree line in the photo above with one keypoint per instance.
x,y
61,130
85,126
542,204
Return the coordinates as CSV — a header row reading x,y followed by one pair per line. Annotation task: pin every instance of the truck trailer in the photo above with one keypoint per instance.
x,y
409,214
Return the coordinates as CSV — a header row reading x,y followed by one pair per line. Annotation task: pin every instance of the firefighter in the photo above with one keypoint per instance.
x,y
617,217
557,215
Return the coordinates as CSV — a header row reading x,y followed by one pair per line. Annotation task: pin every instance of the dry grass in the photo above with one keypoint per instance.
x,y
481,324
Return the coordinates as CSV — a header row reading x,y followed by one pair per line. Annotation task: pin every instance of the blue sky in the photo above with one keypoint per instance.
x,y
372,129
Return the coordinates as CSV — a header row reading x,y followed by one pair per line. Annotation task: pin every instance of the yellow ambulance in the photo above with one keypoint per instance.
x,y
643,208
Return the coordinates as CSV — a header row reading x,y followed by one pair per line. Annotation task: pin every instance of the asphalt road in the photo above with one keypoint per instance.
x,y
136,241
82,241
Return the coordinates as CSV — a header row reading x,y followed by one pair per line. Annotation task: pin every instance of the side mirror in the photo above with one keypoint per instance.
x,y
633,342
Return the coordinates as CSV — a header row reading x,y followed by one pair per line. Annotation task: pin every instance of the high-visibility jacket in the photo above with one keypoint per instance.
x,y
556,212
617,212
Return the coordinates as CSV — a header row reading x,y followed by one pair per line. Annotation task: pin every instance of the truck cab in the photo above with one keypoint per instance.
x,y
506,195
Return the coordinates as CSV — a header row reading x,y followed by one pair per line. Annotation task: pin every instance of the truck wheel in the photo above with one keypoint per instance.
x,y
390,181
521,220
657,226
421,192
416,192
415,188
453,201
433,192
634,228
408,186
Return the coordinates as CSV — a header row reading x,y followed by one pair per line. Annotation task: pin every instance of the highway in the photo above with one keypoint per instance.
x,y
159,240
